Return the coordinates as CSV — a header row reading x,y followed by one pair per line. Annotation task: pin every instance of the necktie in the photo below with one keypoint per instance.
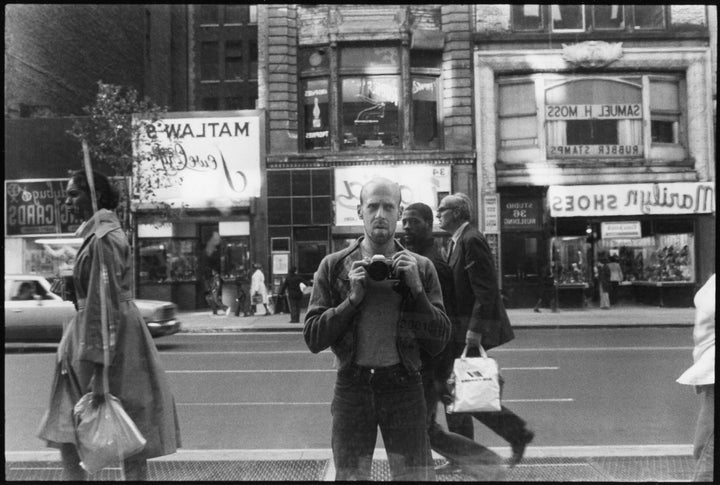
x,y
450,248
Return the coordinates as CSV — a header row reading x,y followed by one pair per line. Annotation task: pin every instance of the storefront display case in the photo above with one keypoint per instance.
x,y
571,269
659,268
168,270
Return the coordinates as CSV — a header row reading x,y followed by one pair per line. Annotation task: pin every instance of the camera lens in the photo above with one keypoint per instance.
x,y
378,270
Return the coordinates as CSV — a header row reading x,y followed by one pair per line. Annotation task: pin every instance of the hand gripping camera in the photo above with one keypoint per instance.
x,y
380,268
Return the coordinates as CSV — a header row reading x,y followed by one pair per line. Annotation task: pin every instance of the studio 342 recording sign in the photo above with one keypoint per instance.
x,y
37,206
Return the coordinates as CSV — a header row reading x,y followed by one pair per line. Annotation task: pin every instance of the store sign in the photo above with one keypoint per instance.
x,y
521,215
631,199
34,207
490,214
418,183
199,161
559,151
316,102
593,111
616,230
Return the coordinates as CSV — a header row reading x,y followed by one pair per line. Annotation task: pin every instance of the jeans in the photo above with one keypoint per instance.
x,y
391,398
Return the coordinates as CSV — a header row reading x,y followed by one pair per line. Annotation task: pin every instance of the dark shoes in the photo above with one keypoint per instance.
x,y
518,448
448,468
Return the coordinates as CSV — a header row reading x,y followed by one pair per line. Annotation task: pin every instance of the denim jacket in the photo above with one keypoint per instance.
x,y
331,318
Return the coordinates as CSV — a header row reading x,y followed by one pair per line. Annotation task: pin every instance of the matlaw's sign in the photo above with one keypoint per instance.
x,y
195,160
631,199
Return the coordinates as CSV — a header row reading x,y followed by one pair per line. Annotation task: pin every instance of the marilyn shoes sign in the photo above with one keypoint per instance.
x,y
631,199
196,161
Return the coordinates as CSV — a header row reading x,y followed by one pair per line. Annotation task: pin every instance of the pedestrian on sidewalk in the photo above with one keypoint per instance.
x,y
481,315
135,374
702,375
209,269
376,304
604,283
475,459
291,285
258,290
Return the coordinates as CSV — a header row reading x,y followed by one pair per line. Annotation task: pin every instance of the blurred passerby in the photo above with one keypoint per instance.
x,y
482,319
702,376
475,459
376,304
291,285
258,290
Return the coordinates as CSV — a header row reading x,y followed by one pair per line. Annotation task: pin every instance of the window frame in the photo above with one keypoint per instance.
x,y
588,12
676,151
405,75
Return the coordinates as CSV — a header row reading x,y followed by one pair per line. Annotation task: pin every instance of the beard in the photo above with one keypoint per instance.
x,y
380,235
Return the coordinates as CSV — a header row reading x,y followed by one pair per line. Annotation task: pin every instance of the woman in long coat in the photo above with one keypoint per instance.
x,y
135,374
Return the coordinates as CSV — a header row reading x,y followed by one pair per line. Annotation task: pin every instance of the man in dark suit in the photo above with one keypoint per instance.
x,y
480,315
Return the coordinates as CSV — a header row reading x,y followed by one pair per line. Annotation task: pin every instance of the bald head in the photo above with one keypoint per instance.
x,y
383,184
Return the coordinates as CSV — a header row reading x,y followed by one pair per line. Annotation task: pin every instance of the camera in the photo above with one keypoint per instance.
x,y
380,268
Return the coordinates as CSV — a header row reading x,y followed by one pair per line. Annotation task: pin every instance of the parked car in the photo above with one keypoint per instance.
x,y
34,312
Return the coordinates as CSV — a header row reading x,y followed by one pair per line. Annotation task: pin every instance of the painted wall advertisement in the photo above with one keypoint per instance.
x,y
631,199
418,183
199,161
34,207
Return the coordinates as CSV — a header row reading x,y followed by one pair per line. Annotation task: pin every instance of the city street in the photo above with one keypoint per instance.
x,y
259,391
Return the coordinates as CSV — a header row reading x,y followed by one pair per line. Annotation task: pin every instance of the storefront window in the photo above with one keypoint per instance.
x,y
235,258
569,260
167,260
659,258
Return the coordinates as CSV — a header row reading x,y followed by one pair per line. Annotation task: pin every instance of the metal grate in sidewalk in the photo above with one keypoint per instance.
x,y
587,469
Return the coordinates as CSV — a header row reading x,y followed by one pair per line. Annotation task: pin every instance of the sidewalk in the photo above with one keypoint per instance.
x,y
618,316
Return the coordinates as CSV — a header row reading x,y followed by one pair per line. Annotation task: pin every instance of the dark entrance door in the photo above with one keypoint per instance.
x,y
523,257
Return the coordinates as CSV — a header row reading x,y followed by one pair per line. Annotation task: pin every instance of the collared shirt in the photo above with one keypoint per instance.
x,y
456,235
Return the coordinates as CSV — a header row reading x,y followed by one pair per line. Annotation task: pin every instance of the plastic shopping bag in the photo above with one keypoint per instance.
x,y
474,384
105,434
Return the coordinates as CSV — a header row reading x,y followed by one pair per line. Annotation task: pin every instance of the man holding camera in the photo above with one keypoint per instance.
x,y
376,305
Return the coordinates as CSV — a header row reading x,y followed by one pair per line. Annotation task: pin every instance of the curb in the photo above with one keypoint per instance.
x,y
380,453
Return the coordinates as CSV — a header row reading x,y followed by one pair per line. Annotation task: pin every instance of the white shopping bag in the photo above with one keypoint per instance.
x,y
474,384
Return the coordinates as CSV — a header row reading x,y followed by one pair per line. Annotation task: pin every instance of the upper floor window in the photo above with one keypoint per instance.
x,y
226,56
569,18
545,117
649,16
372,93
580,18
